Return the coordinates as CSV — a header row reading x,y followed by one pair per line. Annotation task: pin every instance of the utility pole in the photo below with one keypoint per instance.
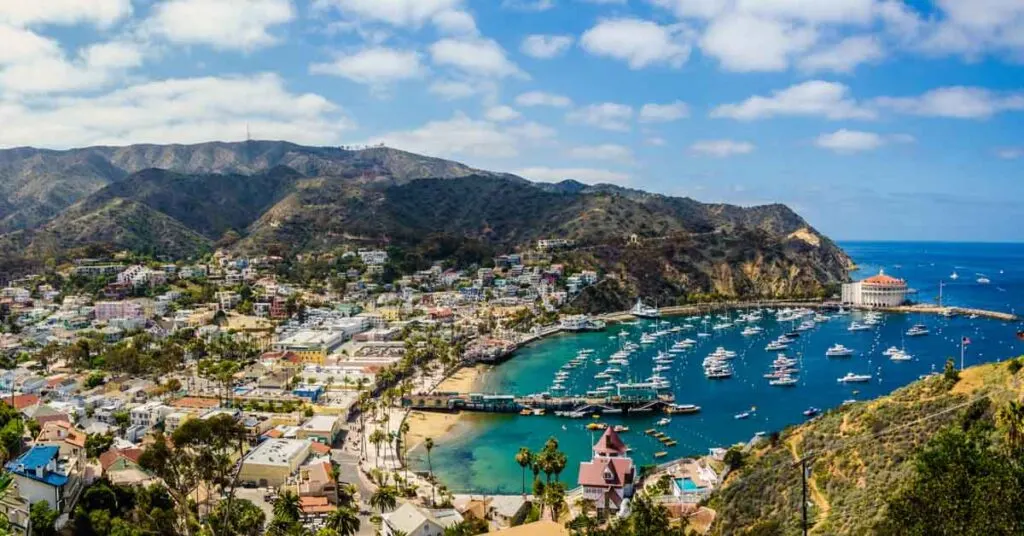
x,y
803,480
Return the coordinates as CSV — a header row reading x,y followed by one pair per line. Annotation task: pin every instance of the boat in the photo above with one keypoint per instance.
x,y
838,351
539,411
891,351
775,346
620,428
596,426
744,415
917,330
811,412
954,276
663,421
854,378
857,326
901,356
984,280
783,381
750,331
662,368
647,338
644,311
660,454
525,412
676,409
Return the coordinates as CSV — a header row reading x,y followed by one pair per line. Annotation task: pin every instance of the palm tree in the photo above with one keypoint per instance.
x,y
377,437
344,520
524,458
384,499
287,506
558,463
555,497
428,443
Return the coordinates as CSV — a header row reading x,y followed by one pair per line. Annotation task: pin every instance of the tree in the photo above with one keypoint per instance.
x,y
733,458
554,496
344,521
1011,418
951,374
243,518
385,499
43,519
524,458
96,444
428,443
287,514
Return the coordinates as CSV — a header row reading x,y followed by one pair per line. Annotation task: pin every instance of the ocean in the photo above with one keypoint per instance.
x,y
478,456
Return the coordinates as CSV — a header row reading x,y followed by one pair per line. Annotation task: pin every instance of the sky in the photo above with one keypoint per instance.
x,y
874,119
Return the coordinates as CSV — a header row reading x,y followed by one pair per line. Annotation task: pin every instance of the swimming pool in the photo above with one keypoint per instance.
x,y
687,484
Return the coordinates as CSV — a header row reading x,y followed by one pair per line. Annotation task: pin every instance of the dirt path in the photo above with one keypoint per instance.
x,y
817,497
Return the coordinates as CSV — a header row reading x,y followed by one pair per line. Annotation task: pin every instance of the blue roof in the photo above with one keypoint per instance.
x,y
38,456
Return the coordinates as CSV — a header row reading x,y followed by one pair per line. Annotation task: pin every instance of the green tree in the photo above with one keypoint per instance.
x,y
245,518
524,458
43,519
344,521
428,443
96,444
385,499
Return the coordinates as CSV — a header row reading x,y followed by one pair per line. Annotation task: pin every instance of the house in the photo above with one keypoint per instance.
x,y
538,528
42,475
67,438
149,414
321,428
315,480
609,477
412,520
271,463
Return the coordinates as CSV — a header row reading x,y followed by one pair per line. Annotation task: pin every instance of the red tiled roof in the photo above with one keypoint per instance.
x,y
592,473
610,443
21,402
320,448
274,433
43,419
194,402
315,505
111,456
882,279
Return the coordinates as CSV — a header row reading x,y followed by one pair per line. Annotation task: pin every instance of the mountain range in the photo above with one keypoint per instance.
x,y
182,201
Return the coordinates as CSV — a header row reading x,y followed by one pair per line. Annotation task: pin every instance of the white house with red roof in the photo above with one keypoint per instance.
x,y
608,478
876,291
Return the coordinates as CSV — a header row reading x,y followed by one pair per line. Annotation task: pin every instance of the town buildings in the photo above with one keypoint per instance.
x,y
877,291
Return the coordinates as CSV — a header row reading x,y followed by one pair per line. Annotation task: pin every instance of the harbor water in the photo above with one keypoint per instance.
x,y
478,455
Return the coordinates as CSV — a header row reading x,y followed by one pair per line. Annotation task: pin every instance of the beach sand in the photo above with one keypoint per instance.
x,y
424,424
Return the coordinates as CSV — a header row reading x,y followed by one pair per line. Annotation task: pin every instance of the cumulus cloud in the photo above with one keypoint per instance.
x,y
607,151
1010,153
815,98
607,116
401,13
474,57
744,43
639,43
455,22
956,102
463,137
222,24
500,114
845,141
845,55
545,46
721,148
101,13
584,175
376,66
664,113
184,110
540,98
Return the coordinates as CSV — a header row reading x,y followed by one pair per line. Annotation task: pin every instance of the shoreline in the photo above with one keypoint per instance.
x,y
437,425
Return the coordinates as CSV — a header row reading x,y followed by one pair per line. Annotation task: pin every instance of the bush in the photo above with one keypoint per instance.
x,y
1014,365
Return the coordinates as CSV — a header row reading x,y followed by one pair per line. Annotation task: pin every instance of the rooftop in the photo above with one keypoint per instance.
x,y
38,457
882,279
278,452
320,423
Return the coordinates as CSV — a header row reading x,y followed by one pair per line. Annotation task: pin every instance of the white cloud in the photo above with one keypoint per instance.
x,y
461,137
376,66
721,148
815,11
528,5
184,110
1010,153
500,114
974,28
113,55
475,57
454,89
815,98
607,151
849,141
532,131
957,102
640,43
545,46
402,13
222,24
540,98
845,141
607,116
656,141
455,22
584,175
664,113
844,56
744,43
101,13
21,45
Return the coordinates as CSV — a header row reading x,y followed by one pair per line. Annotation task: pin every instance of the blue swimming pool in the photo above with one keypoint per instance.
x,y
686,484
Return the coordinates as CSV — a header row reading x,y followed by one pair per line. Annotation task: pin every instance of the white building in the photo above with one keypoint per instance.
x,y
271,463
373,257
150,413
415,521
876,291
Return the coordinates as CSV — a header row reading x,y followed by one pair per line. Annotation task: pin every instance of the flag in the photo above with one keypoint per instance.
x,y
1020,335
965,341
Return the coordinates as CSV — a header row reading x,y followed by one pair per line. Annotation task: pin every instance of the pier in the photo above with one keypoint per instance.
x,y
571,406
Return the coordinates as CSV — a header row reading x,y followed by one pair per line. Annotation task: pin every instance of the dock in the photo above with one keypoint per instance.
x,y
568,406
705,308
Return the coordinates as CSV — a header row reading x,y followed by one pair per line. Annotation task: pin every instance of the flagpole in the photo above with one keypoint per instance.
x,y
961,353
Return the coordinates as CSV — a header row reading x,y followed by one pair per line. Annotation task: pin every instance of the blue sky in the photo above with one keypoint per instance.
x,y
875,119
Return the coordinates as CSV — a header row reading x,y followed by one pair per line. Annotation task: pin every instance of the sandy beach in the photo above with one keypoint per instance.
x,y
424,424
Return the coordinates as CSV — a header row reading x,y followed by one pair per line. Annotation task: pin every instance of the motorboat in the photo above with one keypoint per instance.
x,y
984,280
854,378
901,356
644,311
784,381
838,351
662,368
917,330
954,276
683,409
891,351
776,346
663,421
857,326
751,331
812,411
647,338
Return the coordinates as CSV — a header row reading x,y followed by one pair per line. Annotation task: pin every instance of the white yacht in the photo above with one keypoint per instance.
x,y
917,330
900,355
838,351
644,311
984,280
647,338
954,276
854,378
892,350
776,346
662,368
857,326
751,331
783,381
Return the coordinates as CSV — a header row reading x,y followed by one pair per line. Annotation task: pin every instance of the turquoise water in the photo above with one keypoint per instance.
x,y
686,484
478,455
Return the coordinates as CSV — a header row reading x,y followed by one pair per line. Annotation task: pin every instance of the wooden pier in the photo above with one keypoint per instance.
x,y
576,405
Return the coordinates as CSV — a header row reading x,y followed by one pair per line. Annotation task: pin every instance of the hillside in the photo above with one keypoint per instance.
x,y
182,201
863,457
